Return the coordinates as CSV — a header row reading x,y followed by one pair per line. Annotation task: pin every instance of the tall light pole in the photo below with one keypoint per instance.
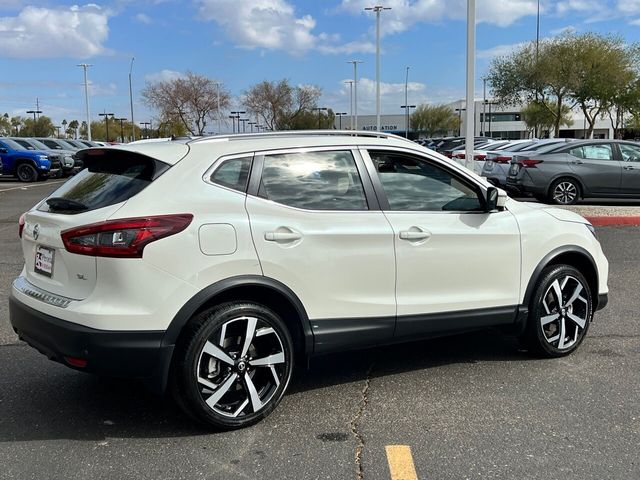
x,y
106,121
86,97
133,125
320,109
484,104
471,64
406,102
147,127
354,85
121,120
218,100
377,9
350,82
236,116
35,112
244,121
251,124
340,115
407,109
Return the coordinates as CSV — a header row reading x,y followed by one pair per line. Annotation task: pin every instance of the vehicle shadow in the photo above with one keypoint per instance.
x,y
41,400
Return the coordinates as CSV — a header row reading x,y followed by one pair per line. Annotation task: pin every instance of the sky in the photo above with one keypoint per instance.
x,y
241,43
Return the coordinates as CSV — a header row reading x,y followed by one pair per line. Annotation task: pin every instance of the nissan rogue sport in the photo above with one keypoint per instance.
x,y
210,266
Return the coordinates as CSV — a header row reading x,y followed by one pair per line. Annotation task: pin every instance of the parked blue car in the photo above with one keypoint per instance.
x,y
26,165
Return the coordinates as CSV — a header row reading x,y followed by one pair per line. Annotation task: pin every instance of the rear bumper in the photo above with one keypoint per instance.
x,y
130,354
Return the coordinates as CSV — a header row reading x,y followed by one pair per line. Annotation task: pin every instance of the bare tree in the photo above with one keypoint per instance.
x,y
279,105
193,99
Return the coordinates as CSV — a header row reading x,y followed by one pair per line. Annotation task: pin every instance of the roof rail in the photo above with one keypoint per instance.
x,y
298,133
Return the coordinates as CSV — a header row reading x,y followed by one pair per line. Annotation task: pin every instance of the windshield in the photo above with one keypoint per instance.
x,y
38,144
12,144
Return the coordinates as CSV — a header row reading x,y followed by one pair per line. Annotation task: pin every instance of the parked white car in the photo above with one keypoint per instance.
x,y
212,265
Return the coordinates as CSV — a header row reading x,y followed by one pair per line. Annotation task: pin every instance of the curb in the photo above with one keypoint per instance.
x,y
605,221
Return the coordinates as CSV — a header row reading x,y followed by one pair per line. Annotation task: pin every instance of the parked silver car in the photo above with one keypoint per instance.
x,y
582,169
496,165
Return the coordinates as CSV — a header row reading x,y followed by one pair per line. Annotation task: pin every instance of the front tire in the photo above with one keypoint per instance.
x,y
232,365
26,173
560,312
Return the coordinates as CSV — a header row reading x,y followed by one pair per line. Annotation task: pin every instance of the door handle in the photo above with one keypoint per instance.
x,y
577,162
282,237
629,167
414,233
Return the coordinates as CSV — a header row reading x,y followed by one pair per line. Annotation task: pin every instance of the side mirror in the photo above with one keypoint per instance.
x,y
3,150
492,199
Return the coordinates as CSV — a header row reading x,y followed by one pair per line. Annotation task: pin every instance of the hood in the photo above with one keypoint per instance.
x,y
561,214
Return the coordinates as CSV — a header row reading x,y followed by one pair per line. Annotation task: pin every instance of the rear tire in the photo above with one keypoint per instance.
x,y
560,312
564,191
26,173
232,365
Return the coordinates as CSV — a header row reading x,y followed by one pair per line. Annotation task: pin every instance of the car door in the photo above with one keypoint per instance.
x,y
317,228
597,166
458,266
630,155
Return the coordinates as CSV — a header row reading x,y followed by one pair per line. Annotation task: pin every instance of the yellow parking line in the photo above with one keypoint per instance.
x,y
401,462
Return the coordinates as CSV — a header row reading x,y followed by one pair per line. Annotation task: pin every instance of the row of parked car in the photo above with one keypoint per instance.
x,y
31,159
558,170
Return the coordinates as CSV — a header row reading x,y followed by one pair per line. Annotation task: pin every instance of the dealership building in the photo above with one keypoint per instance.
x,y
491,120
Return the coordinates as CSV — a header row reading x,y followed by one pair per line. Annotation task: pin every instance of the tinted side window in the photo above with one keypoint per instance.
x,y
630,153
577,152
313,181
50,144
233,173
411,184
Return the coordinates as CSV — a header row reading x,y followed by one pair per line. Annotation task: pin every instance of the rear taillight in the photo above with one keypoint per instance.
x,y
502,159
125,238
479,157
21,225
529,163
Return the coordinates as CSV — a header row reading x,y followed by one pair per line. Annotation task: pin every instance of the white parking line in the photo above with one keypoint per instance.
x,y
24,187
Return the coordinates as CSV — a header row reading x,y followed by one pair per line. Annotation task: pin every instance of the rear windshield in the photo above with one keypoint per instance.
x,y
107,179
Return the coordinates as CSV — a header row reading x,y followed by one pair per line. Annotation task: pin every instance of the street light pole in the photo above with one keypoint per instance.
x,y
340,115
106,121
471,63
218,100
35,112
244,121
407,113
146,129
121,127
354,86
351,124
378,9
86,97
320,109
133,128
406,102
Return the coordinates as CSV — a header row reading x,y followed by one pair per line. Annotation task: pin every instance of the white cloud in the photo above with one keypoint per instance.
x,y
143,18
275,25
163,76
102,90
635,22
629,6
499,50
77,32
406,13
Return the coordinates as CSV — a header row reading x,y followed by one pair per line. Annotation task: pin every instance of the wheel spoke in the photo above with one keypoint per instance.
x,y
275,375
575,295
217,352
267,361
220,390
251,330
577,320
549,318
256,403
241,407
558,292
562,334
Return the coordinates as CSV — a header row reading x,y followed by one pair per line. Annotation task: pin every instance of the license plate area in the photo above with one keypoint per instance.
x,y
513,171
44,261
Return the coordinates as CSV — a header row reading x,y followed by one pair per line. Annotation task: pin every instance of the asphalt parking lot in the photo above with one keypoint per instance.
x,y
470,407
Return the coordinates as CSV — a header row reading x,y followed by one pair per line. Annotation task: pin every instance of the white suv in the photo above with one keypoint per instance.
x,y
208,266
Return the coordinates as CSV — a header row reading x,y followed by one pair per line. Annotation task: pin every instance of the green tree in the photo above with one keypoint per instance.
x,y
435,120
193,99
41,127
578,70
5,125
281,106
539,117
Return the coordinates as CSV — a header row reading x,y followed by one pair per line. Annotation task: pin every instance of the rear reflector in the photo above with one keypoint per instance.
x,y
125,238
76,362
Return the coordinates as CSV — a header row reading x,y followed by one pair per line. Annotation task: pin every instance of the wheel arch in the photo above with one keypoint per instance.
x,y
572,176
574,256
264,290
